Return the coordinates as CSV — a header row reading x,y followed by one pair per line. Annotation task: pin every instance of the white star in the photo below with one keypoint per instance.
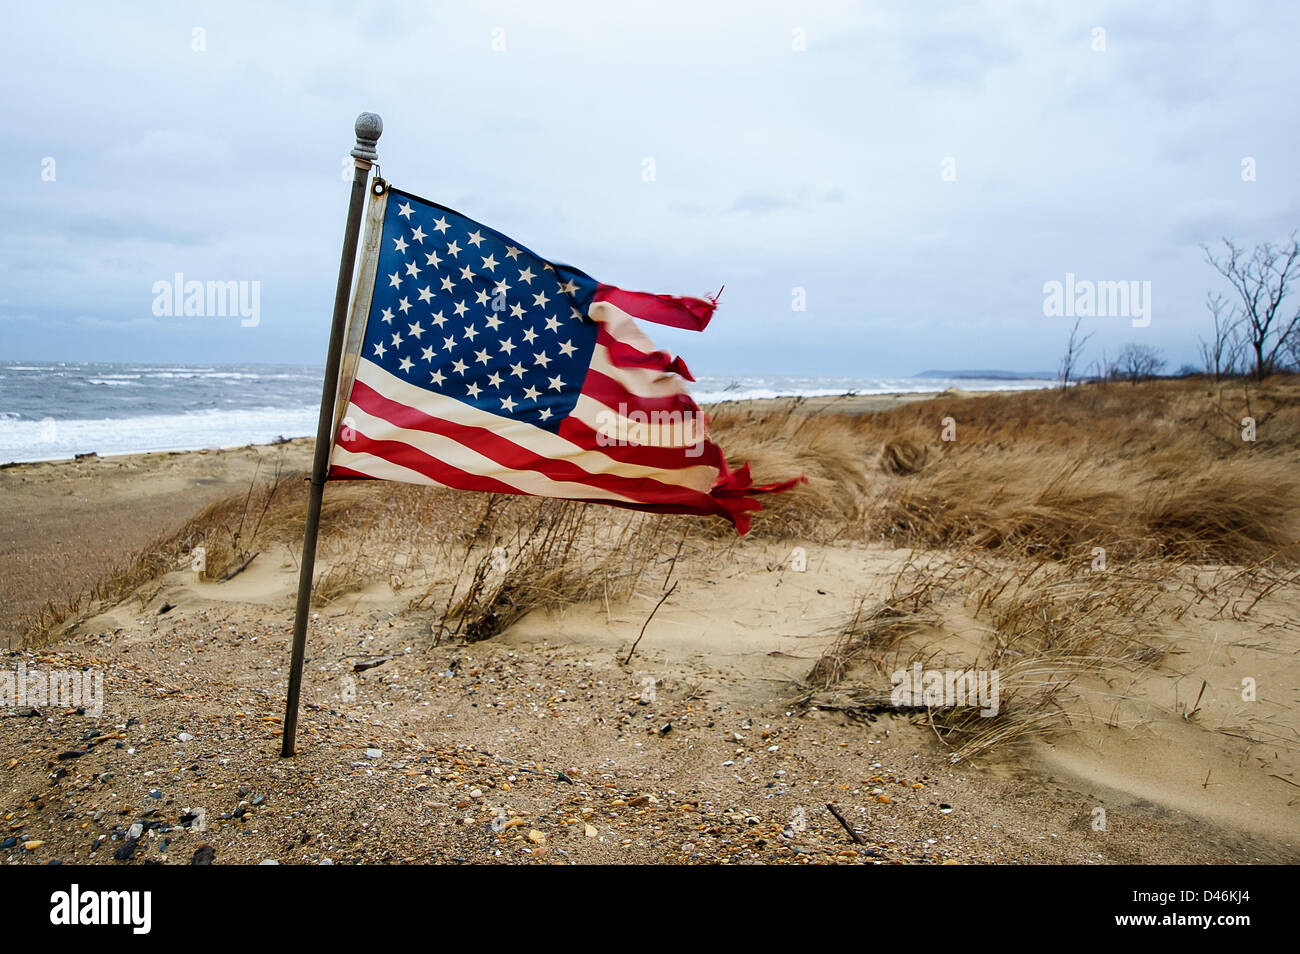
x,y
413,270
436,378
406,210
508,346
466,274
556,383
530,336
440,225
460,367
508,404
541,358
552,323
394,280
532,393
481,297
397,339
517,370
569,287
400,244
438,319
493,322
416,330
460,309
482,357
516,310
404,305
431,258
427,353
494,379
418,235
476,238
405,364
387,315
380,349
512,252
567,349
447,284
526,275
448,344
453,249
501,287
490,262
545,414
426,295
473,390
540,299
470,333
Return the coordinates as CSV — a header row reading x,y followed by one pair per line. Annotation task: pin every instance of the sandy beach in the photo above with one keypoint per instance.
x,y
469,695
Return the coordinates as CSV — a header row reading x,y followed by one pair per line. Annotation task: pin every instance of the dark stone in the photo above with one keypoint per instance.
x,y
204,855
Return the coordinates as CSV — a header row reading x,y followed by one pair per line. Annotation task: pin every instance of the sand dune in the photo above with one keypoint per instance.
x,y
723,738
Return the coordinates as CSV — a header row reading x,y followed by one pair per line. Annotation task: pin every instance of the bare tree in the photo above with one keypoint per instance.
x,y
1137,363
1222,354
1262,280
1073,353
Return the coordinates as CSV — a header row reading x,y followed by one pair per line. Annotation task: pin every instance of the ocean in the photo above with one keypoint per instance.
x,y
55,410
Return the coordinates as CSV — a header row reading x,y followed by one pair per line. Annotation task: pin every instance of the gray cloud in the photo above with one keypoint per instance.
x,y
775,167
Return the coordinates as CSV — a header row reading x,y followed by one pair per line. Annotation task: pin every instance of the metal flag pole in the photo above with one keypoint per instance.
x,y
368,129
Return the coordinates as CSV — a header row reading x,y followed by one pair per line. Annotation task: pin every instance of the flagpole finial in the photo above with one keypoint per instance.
x,y
369,127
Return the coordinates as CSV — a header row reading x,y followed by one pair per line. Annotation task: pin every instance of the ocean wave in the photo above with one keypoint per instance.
x,y
49,439
230,375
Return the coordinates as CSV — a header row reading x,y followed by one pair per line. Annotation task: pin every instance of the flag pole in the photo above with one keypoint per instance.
x,y
368,128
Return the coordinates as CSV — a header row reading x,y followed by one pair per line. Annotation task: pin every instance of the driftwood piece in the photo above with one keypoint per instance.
x,y
239,569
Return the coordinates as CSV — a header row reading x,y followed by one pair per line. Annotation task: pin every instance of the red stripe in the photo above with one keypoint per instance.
x,y
623,355
413,459
511,455
616,397
693,314
643,455
339,472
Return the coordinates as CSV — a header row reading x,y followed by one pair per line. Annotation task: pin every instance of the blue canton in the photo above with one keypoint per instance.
x,y
461,310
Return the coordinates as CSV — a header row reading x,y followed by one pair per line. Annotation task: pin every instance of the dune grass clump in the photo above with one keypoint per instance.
x,y
1047,625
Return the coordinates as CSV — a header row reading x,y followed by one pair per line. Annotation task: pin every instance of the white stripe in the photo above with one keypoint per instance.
x,y
643,382
621,325
646,428
379,468
539,441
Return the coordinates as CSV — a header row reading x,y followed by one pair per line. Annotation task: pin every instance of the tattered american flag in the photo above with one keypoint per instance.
x,y
473,363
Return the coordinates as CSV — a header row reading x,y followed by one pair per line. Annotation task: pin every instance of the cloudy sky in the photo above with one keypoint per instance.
x,y
920,171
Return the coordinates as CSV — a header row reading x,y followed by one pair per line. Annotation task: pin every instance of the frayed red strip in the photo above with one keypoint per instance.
x,y
623,355
691,314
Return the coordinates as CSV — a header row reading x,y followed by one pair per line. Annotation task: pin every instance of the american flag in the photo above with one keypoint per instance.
x,y
483,366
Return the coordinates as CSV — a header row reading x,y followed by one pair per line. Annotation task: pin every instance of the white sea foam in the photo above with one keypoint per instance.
x,y
54,440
